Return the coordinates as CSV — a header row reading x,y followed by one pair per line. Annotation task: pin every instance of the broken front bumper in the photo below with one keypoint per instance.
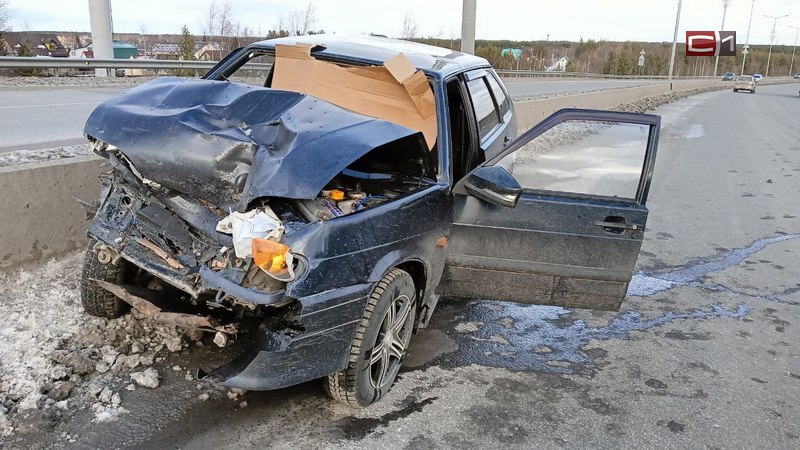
x,y
172,237
283,353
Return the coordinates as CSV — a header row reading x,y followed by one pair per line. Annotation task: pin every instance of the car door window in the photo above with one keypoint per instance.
x,y
503,102
253,72
483,105
583,157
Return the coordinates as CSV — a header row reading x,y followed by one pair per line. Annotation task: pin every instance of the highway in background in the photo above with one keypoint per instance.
x,y
39,118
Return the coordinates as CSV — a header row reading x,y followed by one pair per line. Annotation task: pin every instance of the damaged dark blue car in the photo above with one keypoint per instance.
x,y
315,196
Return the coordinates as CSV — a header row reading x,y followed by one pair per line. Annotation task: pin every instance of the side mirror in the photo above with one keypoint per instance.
x,y
495,185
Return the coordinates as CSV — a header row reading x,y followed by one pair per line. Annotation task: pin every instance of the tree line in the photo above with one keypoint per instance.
x,y
621,58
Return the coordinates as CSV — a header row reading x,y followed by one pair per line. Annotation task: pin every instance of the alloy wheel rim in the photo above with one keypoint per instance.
x,y
391,343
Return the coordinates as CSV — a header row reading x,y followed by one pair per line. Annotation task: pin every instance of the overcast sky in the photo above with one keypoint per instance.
x,y
618,20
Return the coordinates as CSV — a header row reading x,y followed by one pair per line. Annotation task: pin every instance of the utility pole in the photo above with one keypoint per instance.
x,y
468,12
102,41
747,41
721,28
796,32
674,43
772,38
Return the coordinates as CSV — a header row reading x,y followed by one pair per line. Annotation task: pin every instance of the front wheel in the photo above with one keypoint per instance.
x,y
735,90
380,343
98,265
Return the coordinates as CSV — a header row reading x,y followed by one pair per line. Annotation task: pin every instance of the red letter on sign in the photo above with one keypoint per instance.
x,y
701,43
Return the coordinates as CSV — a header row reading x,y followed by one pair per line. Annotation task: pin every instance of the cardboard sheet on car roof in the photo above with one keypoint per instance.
x,y
396,92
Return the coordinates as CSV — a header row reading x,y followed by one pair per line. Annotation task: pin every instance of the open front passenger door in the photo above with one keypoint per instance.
x,y
558,216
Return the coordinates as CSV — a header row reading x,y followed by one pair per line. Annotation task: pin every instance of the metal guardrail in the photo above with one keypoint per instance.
x,y
542,74
7,62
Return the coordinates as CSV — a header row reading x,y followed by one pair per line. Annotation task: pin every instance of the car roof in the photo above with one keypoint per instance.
x,y
437,61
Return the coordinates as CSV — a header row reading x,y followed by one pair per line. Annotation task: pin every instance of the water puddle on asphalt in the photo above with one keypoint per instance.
x,y
545,338
645,285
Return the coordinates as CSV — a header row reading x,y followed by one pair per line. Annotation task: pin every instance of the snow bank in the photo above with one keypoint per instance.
x,y
54,357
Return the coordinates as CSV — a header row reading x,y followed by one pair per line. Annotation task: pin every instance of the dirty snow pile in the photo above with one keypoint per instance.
x,y
54,358
72,81
46,154
654,101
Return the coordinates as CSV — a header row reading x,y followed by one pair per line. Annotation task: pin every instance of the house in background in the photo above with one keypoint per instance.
x,y
122,50
207,51
165,50
39,43
559,66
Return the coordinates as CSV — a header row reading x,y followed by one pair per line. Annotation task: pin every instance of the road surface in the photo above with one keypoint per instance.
x,y
45,118
703,353
42,118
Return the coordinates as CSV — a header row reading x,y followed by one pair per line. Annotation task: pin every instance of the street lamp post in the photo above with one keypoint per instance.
x,y
674,43
796,32
468,26
747,41
772,38
722,28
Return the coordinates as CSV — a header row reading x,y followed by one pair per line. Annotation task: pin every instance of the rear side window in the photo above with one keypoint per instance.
x,y
482,103
502,101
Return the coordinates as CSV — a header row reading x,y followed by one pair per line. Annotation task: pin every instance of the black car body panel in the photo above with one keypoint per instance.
x,y
231,143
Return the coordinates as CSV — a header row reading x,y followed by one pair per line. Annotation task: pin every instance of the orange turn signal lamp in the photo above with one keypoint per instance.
x,y
270,255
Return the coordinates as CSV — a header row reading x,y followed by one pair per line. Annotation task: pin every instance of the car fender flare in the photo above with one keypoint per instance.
x,y
394,259
398,258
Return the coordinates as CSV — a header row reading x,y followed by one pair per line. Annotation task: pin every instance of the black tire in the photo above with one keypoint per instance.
x,y
753,91
735,90
96,300
357,385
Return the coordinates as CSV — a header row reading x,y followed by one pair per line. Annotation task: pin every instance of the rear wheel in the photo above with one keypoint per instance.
x,y
100,266
735,90
380,344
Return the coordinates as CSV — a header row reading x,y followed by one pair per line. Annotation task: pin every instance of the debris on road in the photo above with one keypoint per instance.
x,y
56,359
147,378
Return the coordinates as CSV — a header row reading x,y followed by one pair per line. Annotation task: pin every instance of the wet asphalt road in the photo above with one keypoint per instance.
x,y
37,118
703,353
46,118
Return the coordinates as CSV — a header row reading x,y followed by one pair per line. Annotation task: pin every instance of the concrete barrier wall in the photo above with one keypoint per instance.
x,y
40,219
532,112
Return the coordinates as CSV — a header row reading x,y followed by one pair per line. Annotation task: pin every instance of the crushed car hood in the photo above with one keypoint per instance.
x,y
229,143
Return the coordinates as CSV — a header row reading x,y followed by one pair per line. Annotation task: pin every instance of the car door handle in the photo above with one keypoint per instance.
x,y
617,225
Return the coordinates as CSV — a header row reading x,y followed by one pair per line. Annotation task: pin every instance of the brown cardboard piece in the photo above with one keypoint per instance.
x,y
395,92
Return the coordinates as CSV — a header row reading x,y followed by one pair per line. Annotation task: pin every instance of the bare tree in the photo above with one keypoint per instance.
x,y
143,37
409,27
5,15
301,20
219,23
209,25
225,25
